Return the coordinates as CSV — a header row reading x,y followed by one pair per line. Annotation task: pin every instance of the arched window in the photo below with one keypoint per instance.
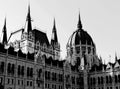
x,y
39,73
77,49
106,79
37,45
22,70
110,79
73,80
116,78
101,80
94,82
78,60
9,68
98,80
48,75
19,70
28,69
91,81
53,78
119,78
2,67
31,72
13,69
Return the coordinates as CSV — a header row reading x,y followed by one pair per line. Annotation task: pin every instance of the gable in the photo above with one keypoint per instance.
x,y
116,65
108,66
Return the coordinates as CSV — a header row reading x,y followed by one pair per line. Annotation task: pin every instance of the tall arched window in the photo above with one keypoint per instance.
x,y
28,69
13,69
98,80
91,81
9,68
31,72
94,82
22,70
18,70
2,67
101,80
106,79
119,78
116,78
110,79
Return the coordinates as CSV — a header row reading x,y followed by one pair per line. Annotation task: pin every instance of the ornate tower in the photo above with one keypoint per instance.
x,y
4,37
54,42
27,38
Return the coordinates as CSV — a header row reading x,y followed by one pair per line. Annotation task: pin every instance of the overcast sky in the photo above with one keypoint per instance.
x,y
100,18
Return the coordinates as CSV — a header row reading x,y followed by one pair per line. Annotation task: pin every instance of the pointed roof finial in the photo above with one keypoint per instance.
x,y
4,39
116,56
28,16
28,25
54,25
79,22
54,38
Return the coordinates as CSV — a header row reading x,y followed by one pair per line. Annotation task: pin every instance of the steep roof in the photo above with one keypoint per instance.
x,y
16,35
41,37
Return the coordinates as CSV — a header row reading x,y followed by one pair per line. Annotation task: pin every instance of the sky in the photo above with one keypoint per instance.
x,y
100,18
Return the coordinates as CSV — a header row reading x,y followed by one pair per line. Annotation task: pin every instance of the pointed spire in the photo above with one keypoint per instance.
x,y
79,23
28,25
4,39
54,25
116,57
54,38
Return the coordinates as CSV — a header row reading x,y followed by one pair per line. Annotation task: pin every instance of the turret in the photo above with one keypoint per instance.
x,y
54,38
54,42
4,38
27,38
28,25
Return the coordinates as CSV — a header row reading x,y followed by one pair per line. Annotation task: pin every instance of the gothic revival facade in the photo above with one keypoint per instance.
x,y
29,61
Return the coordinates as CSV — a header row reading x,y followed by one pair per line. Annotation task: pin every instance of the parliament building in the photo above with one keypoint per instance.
x,y
29,61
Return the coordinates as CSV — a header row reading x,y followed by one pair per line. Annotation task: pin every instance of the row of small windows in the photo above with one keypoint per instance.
x,y
19,82
25,36
107,88
78,80
83,48
53,76
10,81
59,77
102,80
53,86
77,49
20,70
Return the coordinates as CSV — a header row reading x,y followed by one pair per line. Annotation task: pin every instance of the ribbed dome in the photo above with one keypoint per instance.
x,y
80,37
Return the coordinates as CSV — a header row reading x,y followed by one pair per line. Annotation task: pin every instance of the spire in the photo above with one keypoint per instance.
x,y
79,23
28,25
116,57
54,38
4,39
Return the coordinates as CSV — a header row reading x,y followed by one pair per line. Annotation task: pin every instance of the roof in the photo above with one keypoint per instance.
x,y
41,37
80,36
16,35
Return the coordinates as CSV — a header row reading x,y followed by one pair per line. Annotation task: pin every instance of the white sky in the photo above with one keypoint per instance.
x,y
100,18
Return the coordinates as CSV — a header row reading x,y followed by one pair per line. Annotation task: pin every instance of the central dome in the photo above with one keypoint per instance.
x,y
80,45
80,37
